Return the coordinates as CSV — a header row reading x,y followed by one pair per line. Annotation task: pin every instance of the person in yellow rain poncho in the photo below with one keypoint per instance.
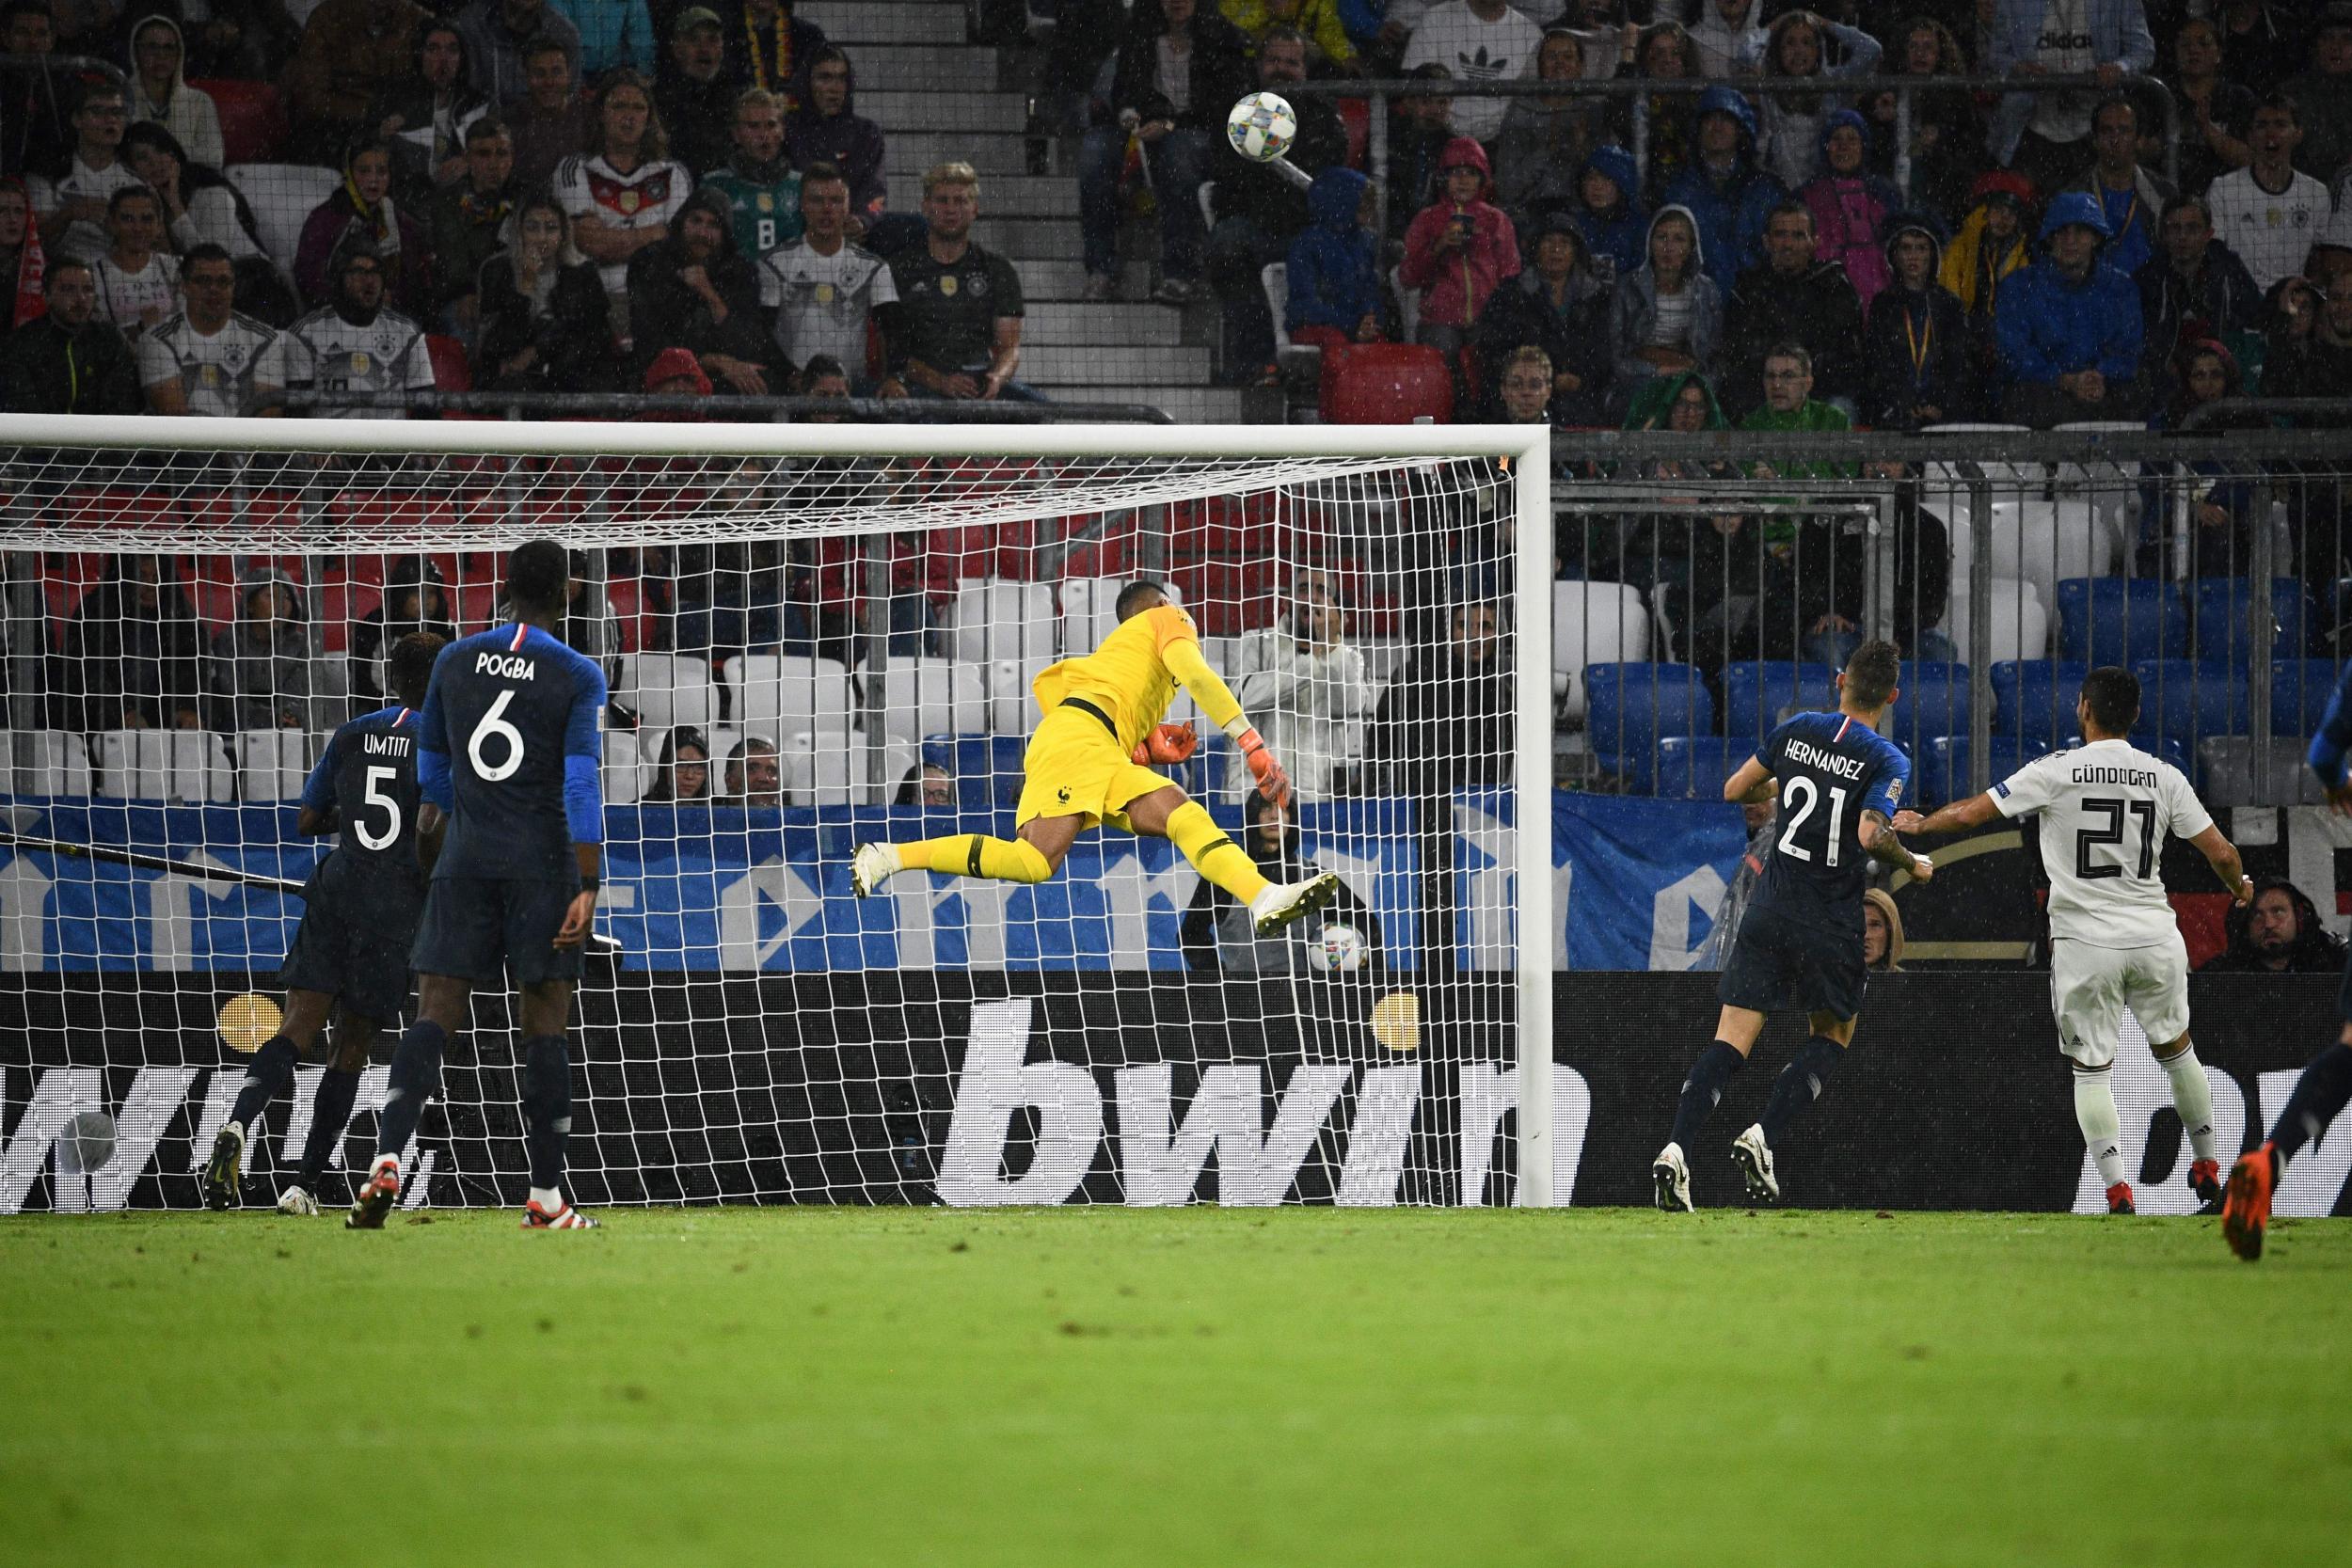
x,y
1087,763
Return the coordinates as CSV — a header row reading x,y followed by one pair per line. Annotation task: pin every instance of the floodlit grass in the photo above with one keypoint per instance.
x,y
1197,1387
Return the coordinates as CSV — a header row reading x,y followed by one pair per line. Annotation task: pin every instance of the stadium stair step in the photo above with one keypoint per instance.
x,y
943,109
956,68
934,22
1069,365
1184,404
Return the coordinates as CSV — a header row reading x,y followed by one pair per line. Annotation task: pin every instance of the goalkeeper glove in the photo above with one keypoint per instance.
x,y
1166,743
1272,782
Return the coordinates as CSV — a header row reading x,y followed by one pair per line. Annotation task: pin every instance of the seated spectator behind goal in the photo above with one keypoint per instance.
x,y
760,187
695,290
468,222
826,128
1334,294
1795,296
160,92
364,210
352,53
206,358
551,121
72,207
503,36
682,772
2069,326
66,360
258,676
131,658
1666,318
1917,366
823,288
200,206
21,258
2278,933
545,326
355,345
415,598
138,280
1444,723
772,48
35,99
426,114
693,93
959,319
1558,306
1458,252
1851,206
755,776
623,195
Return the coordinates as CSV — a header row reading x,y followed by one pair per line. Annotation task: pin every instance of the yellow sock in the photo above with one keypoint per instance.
x,y
977,855
1213,854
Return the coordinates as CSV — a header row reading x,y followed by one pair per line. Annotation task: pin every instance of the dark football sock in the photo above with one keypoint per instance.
x,y
1702,1088
547,1106
1800,1083
416,1074
2319,1094
271,1066
330,1113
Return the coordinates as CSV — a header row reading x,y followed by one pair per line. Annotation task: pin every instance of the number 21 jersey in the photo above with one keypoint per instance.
x,y
507,709
2106,809
1831,769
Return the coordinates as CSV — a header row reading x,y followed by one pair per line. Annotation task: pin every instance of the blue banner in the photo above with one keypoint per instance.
x,y
697,888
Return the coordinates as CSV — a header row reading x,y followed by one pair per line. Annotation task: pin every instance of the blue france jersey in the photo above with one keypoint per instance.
x,y
510,739
2334,736
1831,769
368,777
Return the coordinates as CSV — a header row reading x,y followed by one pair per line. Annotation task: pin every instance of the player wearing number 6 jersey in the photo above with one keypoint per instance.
x,y
512,836
2106,808
1838,782
359,913
1085,764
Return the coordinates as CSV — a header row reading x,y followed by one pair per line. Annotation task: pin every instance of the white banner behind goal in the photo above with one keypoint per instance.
x,y
815,635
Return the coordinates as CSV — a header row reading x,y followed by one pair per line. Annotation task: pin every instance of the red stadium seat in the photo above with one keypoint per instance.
x,y
451,373
252,120
1356,114
1385,384
115,509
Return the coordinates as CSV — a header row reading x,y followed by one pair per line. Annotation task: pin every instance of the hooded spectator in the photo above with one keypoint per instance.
x,y
1706,565
2069,326
131,657
1851,206
356,347
66,360
675,373
1444,723
2278,933
160,92
1881,932
772,48
364,208
260,675
1558,305
1666,317
1917,366
22,262
1333,275
201,207
826,128
1216,935
1799,45
545,323
1795,296
1542,138
352,53
1727,195
425,115
415,598
1459,250
1723,35
2194,286
1308,681
1612,224
695,290
501,37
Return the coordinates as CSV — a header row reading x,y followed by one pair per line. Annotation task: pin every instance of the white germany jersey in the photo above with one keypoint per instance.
x,y
219,373
822,302
328,353
2106,809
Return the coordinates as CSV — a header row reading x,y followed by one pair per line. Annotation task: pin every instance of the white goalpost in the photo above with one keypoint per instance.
x,y
839,624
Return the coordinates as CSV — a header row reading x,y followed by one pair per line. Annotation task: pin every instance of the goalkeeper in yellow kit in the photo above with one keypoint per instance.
x,y
1085,764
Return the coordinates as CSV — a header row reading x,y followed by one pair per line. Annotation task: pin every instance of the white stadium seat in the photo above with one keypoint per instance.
x,y
665,690
282,197
52,762
932,696
1595,622
991,621
272,763
183,765
776,694
623,772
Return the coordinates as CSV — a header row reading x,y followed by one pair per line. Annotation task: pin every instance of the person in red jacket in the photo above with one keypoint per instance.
x,y
1457,252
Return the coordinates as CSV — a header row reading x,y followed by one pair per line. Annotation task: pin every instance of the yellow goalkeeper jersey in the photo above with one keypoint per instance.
x,y
1128,678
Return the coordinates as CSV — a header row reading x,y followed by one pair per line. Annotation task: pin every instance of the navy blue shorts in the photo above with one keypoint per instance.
x,y
483,928
1778,964
354,948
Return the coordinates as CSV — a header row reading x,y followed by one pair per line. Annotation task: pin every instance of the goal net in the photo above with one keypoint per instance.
x,y
816,636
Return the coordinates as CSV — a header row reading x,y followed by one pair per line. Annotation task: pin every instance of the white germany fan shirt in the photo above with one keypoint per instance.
x,y
822,302
220,373
2106,809
648,197
325,352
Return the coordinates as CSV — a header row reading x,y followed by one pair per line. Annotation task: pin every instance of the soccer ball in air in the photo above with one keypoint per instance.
x,y
1336,949
1262,127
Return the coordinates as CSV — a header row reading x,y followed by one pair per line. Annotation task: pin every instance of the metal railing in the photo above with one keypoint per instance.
x,y
727,406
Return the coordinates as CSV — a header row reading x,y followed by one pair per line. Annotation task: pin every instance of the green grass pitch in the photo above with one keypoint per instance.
x,y
1199,1386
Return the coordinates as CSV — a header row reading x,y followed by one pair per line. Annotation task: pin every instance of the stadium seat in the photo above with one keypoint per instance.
x,y
2299,692
2045,543
183,765
2118,620
1943,767
1302,360
114,508
2224,631
1693,767
780,694
51,763
282,197
986,768
926,696
272,763
450,373
1011,710
2020,623
2185,701
623,772
252,118
1756,692
1355,119
2035,697
1089,610
990,621
818,770
665,690
1595,622
2231,774
1385,384
1630,706
1933,701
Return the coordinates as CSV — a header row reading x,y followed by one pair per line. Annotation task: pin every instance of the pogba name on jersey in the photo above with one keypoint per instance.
x,y
1828,762
510,666
2132,778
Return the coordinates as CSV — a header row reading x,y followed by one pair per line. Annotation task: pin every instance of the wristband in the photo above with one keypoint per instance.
x,y
1247,739
591,884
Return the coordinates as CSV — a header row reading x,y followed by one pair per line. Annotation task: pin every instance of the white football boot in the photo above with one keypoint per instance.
x,y
1755,1165
1670,1177
872,865
1281,903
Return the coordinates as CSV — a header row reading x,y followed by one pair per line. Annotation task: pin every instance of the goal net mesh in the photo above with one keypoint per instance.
x,y
804,652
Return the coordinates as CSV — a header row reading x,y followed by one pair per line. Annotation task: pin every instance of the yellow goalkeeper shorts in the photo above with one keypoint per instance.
x,y
1074,767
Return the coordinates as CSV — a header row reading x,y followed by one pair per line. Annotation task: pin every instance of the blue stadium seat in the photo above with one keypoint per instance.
x,y
1757,689
2225,628
2185,701
2116,620
1630,706
987,768
1693,767
2035,697
1942,769
1933,702
2299,692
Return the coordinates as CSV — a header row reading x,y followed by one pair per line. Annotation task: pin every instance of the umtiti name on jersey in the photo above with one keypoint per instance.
x,y
386,745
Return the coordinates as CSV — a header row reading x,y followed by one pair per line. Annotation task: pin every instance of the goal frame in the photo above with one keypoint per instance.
x,y
1526,448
